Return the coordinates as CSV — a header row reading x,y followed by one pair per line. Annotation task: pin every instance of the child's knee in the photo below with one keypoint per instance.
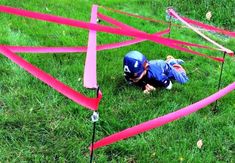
x,y
179,68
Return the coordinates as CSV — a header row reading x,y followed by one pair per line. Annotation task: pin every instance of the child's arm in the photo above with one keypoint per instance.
x,y
148,88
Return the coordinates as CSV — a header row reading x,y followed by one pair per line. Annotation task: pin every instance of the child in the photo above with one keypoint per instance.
x,y
150,74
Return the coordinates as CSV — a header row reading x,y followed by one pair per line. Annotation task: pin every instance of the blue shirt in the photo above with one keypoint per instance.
x,y
158,73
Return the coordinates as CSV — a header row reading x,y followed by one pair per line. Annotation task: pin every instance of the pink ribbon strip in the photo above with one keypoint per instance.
x,y
90,103
125,26
89,79
209,27
32,49
97,27
138,16
42,49
197,53
194,22
174,43
160,121
117,23
173,13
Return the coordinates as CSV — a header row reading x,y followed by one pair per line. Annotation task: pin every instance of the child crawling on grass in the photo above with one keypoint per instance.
x,y
151,74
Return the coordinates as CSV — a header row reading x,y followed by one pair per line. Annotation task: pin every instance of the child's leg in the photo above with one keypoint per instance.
x,y
179,73
179,68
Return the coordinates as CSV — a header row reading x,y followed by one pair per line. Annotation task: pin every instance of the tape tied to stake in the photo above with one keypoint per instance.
x,y
90,103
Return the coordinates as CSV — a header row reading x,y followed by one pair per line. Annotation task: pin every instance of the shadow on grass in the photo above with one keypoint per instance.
x,y
120,86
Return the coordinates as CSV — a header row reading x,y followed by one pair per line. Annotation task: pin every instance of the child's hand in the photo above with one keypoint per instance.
x,y
149,88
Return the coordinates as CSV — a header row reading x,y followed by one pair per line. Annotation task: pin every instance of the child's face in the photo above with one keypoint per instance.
x,y
135,80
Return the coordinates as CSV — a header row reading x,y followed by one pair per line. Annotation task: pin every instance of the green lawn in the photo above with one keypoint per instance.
x,y
37,124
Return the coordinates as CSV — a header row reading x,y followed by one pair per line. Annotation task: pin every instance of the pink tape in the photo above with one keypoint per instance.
x,y
116,23
31,49
197,53
160,121
90,103
41,49
91,26
89,79
194,22
195,45
209,27
174,43
138,16
173,13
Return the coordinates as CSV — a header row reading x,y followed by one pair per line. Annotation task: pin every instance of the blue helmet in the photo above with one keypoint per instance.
x,y
133,64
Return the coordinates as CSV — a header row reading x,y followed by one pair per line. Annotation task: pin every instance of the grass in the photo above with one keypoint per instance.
x,y
37,124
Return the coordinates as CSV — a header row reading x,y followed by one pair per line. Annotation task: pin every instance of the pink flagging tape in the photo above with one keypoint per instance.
x,y
116,23
194,22
90,103
125,26
160,121
195,45
173,13
175,43
138,16
89,80
97,27
76,49
25,49
209,27
32,49
42,49
196,53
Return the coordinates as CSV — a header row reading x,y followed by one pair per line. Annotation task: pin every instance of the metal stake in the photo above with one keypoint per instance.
x,y
219,84
94,119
